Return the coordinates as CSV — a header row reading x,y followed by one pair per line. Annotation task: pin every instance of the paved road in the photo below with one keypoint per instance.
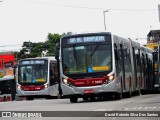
x,y
136,103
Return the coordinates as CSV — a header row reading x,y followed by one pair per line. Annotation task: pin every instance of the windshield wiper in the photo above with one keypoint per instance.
x,y
75,55
94,50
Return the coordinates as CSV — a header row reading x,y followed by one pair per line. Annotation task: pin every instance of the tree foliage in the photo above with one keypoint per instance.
x,y
30,49
51,41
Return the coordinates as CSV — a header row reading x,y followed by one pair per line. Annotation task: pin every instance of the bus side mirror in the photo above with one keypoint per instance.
x,y
57,51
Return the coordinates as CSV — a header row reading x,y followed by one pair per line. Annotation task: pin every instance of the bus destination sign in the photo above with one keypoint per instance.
x,y
86,39
25,62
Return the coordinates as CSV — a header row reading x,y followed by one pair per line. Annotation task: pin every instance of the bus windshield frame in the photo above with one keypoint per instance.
x,y
31,72
91,57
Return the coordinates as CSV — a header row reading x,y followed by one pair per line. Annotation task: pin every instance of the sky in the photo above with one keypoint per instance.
x,y
32,20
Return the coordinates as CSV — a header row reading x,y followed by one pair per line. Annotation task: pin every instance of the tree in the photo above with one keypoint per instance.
x,y
51,41
31,49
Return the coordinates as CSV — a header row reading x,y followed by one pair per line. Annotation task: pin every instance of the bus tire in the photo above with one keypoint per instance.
x,y
92,98
143,92
85,98
29,98
118,96
73,99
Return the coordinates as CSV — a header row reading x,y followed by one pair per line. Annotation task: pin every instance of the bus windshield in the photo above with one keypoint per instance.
x,y
33,73
87,58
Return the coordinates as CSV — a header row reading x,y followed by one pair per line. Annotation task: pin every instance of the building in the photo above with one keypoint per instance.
x,y
153,39
7,63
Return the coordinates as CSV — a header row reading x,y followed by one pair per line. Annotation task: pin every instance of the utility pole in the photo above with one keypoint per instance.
x,y
159,12
29,45
105,19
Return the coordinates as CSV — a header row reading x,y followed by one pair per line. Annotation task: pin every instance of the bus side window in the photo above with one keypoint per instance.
x,y
53,77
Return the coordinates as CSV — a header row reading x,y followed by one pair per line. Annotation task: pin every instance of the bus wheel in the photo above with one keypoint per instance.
x,y
118,96
73,99
29,98
85,98
92,98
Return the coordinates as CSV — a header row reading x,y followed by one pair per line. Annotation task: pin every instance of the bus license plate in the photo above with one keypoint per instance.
x,y
88,91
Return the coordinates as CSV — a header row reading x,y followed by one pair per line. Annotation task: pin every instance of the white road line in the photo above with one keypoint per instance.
x,y
134,108
148,108
155,107
139,108
103,110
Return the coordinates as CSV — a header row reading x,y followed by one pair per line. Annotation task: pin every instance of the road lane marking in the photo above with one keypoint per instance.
x,y
139,108
103,110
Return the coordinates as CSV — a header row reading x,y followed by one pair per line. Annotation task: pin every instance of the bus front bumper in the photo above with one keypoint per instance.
x,y
71,90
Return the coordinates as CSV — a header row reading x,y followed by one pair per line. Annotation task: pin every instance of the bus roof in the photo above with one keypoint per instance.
x,y
47,58
87,33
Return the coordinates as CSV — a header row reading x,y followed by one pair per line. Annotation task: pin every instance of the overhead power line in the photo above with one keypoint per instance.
x,y
83,7
11,45
11,50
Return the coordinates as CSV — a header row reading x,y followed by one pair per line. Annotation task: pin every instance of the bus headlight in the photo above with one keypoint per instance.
x,y
19,87
65,81
111,77
46,86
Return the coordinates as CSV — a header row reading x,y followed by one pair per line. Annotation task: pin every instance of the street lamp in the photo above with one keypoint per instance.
x,y
105,19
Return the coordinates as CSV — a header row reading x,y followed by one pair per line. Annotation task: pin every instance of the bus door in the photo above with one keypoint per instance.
x,y
123,67
155,71
53,78
141,71
128,69
147,70
150,75
135,66
138,62
117,62
53,74
159,67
